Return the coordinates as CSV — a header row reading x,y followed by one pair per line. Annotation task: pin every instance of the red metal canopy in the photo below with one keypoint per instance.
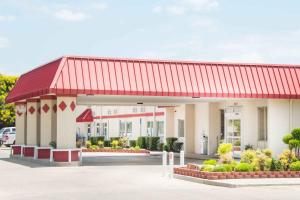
x,y
85,116
72,75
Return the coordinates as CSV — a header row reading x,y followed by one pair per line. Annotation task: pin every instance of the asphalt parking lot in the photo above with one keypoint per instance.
x,y
106,178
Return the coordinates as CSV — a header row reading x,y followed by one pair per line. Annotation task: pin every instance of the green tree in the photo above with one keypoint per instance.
x,y
7,111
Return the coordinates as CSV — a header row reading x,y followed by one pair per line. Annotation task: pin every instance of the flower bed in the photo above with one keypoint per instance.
x,y
191,170
116,150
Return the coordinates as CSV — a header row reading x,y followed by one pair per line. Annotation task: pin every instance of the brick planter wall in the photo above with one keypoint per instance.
x,y
16,150
43,153
116,150
28,151
235,175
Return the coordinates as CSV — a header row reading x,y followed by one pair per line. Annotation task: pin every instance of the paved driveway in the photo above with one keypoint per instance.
x,y
111,181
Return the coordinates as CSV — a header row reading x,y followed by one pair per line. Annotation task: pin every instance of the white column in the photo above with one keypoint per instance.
x,y
278,124
154,126
48,120
21,123
32,122
66,122
169,122
189,129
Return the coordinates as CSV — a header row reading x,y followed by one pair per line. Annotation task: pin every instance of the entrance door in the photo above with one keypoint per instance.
x,y
233,126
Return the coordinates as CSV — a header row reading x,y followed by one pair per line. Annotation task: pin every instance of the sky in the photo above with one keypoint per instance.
x,y
33,32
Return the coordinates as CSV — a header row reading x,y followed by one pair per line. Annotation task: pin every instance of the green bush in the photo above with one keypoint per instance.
x,y
228,167
295,166
275,165
170,141
88,144
286,158
141,142
132,143
249,146
296,133
94,140
53,144
177,146
160,146
210,162
224,148
166,147
152,143
114,138
207,168
268,152
106,143
243,167
248,156
219,168
286,138
101,144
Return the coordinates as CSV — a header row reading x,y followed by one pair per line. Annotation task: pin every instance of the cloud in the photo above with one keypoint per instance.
x,y
180,7
206,23
7,18
69,15
4,43
100,6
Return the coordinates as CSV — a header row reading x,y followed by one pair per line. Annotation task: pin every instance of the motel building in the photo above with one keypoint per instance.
x,y
245,104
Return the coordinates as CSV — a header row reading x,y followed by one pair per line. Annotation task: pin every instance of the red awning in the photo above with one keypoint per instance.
x,y
86,116
72,75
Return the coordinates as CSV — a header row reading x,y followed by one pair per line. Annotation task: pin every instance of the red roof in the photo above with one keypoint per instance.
x,y
111,76
85,116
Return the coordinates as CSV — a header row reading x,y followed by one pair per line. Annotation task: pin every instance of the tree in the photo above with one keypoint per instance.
x,y
7,111
293,140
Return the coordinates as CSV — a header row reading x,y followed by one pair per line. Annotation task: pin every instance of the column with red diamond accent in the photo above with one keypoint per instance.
x,y
20,123
33,122
66,122
48,120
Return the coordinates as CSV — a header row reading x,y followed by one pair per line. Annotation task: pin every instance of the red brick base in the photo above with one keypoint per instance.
x,y
116,150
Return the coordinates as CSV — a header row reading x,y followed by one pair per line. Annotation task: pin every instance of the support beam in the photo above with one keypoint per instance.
x,y
33,106
189,128
169,123
48,120
66,122
21,123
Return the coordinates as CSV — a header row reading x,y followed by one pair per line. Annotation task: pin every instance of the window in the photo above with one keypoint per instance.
x,y
262,124
143,109
129,127
222,124
149,128
89,128
98,128
105,130
122,128
115,111
109,112
134,109
160,128
180,128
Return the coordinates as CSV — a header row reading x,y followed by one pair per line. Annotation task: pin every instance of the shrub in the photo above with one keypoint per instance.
x,y
115,144
94,147
237,143
177,146
286,158
268,152
114,138
210,162
248,146
123,142
106,143
88,144
101,144
152,143
137,148
132,143
224,148
141,142
275,165
207,168
170,141
286,138
228,167
243,167
94,140
296,133
161,146
219,168
248,156
166,147
295,166
78,143
53,144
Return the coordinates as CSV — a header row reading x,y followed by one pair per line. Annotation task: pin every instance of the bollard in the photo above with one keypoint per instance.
x,y
181,158
164,163
171,164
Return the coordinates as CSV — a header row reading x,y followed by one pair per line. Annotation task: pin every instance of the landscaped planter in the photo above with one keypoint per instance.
x,y
16,150
28,151
116,150
43,152
186,171
66,155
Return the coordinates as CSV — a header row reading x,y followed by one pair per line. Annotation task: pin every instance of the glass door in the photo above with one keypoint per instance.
x,y
233,132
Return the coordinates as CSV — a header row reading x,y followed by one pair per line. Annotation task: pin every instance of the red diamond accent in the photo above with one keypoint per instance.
x,y
54,108
72,106
19,113
62,105
45,108
31,110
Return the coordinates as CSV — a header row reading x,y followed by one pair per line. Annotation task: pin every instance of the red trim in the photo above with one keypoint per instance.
x,y
32,100
20,103
50,97
150,114
66,95
85,116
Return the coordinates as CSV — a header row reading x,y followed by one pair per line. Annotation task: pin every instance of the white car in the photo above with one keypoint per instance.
x,y
8,135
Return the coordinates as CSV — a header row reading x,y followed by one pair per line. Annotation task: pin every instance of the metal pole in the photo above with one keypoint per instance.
x,y
164,163
171,164
181,158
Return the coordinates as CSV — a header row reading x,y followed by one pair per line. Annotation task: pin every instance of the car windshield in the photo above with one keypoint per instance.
x,y
2,130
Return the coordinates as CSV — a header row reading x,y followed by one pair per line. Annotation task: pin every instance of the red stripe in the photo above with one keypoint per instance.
x,y
150,114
